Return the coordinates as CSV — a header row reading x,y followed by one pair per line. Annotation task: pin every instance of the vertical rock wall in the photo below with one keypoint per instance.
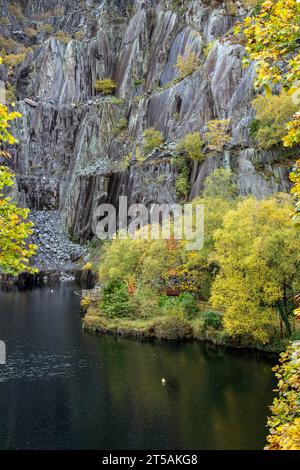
x,y
70,153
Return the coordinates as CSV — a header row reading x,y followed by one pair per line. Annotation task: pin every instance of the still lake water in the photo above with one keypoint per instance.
x,y
63,388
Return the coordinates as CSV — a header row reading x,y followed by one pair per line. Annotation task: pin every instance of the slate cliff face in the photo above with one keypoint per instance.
x,y
69,156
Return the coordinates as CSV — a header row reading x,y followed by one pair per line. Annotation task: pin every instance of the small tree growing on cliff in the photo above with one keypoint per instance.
x,y
15,251
187,65
105,86
152,139
217,135
192,145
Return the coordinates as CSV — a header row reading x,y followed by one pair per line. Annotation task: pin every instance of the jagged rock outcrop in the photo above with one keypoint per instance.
x,y
71,151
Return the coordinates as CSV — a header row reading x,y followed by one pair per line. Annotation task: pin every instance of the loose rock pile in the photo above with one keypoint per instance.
x,y
55,251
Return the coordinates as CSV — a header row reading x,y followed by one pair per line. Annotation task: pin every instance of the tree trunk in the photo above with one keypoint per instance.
x,y
284,316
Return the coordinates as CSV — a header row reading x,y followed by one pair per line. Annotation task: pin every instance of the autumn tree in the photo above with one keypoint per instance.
x,y
187,64
220,185
257,250
295,178
192,145
15,251
216,134
284,423
151,140
273,44
197,269
272,115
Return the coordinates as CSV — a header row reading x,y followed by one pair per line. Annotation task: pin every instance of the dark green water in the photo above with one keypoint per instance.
x,y
65,389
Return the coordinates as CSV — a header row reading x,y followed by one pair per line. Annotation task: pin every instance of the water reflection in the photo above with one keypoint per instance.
x,y
65,389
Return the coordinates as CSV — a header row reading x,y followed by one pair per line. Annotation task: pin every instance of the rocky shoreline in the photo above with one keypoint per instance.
x,y
56,252
58,259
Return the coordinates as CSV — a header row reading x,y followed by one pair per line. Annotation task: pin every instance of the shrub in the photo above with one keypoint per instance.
x,y
220,184
192,145
16,11
10,93
45,28
208,48
182,186
105,86
178,6
125,162
4,21
115,300
189,303
139,157
212,320
183,306
9,45
187,65
120,126
182,183
171,328
12,60
117,101
284,424
216,134
88,266
63,37
146,302
79,35
139,81
85,303
253,128
272,114
30,32
151,140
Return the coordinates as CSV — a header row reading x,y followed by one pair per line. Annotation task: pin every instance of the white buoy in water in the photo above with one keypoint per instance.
x,y
52,291
163,381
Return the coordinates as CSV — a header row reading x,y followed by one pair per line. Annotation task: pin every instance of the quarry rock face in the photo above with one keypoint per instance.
x,y
71,151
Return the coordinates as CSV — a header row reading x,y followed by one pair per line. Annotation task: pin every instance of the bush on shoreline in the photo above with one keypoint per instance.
x,y
284,424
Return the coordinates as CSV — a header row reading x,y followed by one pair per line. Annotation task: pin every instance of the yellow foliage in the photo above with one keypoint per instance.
x,y
45,28
192,145
217,135
12,60
272,37
105,86
8,45
85,303
258,252
187,64
273,112
284,424
295,178
15,251
152,139
62,36
88,266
